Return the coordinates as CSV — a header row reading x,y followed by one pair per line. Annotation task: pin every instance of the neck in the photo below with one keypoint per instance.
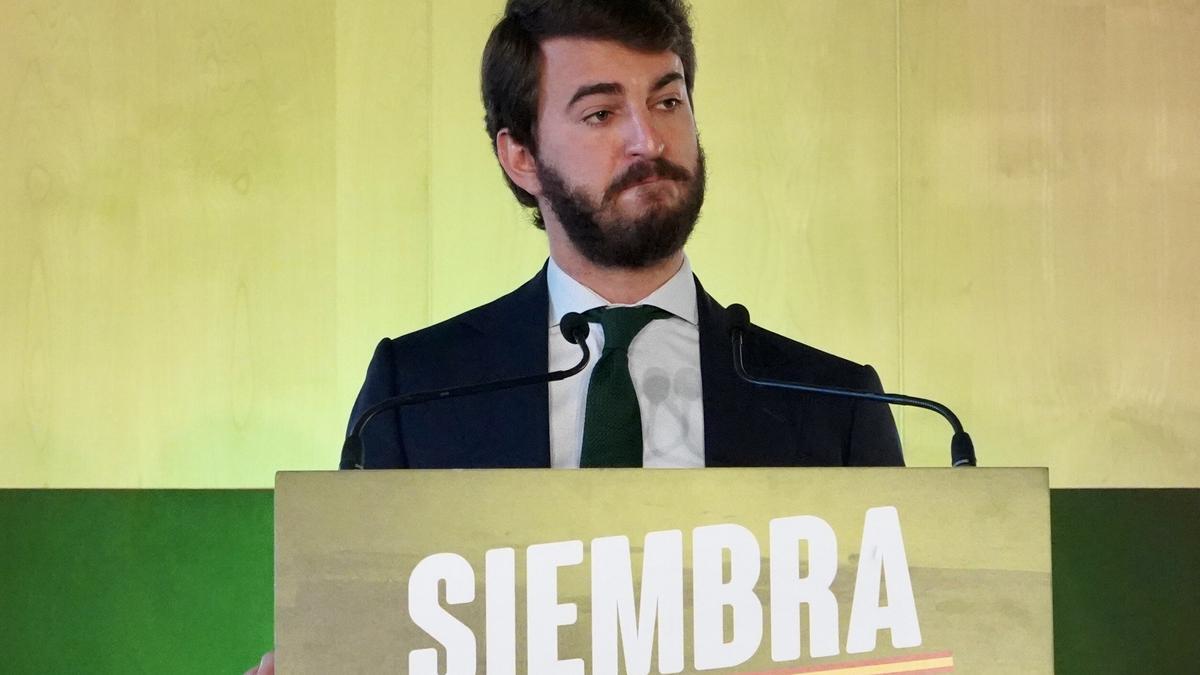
x,y
617,285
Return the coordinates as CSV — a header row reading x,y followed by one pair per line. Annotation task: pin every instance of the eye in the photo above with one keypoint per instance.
x,y
598,117
670,103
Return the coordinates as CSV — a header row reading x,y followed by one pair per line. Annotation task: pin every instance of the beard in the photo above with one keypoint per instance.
x,y
606,238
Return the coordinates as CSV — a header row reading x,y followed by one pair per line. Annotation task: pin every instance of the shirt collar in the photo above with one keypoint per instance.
x,y
677,295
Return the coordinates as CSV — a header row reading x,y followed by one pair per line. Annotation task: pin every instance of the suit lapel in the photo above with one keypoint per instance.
x,y
516,330
739,429
722,402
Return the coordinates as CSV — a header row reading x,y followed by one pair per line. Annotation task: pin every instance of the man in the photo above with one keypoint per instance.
x,y
589,108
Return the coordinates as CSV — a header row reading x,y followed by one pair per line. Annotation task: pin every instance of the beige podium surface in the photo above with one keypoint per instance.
x,y
850,571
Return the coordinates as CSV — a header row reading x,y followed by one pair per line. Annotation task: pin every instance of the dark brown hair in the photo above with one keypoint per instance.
x,y
512,59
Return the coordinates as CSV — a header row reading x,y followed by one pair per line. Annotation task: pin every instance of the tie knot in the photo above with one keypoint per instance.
x,y
622,324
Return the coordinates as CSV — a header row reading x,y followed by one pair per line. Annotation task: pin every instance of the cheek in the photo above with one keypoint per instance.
x,y
686,145
591,168
583,157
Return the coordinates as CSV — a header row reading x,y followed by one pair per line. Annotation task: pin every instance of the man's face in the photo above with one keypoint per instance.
x,y
618,161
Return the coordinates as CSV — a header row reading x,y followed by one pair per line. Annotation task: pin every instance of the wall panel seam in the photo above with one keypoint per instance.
x,y
431,68
899,209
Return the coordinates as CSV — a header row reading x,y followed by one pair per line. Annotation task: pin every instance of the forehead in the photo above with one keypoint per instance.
x,y
569,63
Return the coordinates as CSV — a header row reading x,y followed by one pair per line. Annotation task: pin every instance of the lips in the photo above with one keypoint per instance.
x,y
646,173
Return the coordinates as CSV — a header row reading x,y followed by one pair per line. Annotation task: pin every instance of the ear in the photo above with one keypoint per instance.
x,y
518,162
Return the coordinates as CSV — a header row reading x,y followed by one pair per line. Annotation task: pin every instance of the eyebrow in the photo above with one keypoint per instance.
x,y
593,89
615,88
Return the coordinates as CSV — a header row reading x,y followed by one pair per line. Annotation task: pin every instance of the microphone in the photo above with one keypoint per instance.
x,y
575,329
962,450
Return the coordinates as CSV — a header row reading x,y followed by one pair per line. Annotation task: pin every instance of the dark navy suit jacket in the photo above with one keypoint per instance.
x,y
744,425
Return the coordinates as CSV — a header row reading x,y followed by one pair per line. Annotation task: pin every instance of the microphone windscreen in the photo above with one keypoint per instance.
x,y
739,317
352,452
574,327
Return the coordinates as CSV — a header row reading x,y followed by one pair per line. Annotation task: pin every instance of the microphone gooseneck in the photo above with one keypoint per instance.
x,y
962,449
574,329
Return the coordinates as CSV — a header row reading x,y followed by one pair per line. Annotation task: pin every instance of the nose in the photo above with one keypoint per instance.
x,y
643,137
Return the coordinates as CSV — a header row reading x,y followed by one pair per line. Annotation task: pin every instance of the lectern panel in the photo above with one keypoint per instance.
x,y
750,571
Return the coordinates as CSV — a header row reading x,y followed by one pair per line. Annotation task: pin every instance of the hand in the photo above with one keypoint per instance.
x,y
264,667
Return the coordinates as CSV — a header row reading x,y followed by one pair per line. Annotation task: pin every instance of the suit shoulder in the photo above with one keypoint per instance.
x,y
804,361
768,352
502,338
444,334
477,326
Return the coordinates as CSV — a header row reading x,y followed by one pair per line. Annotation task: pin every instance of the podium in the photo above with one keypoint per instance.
x,y
754,571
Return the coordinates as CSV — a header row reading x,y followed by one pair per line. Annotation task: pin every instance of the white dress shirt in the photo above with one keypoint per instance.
x,y
664,363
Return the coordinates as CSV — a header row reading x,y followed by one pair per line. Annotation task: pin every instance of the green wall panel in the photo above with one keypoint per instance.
x,y
135,581
1126,580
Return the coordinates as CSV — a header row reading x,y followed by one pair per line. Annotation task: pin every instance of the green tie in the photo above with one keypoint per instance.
x,y
612,426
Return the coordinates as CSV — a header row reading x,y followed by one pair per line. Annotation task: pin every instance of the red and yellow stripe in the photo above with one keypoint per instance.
x,y
940,662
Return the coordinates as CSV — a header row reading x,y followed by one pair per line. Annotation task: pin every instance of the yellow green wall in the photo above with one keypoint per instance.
x,y
210,212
